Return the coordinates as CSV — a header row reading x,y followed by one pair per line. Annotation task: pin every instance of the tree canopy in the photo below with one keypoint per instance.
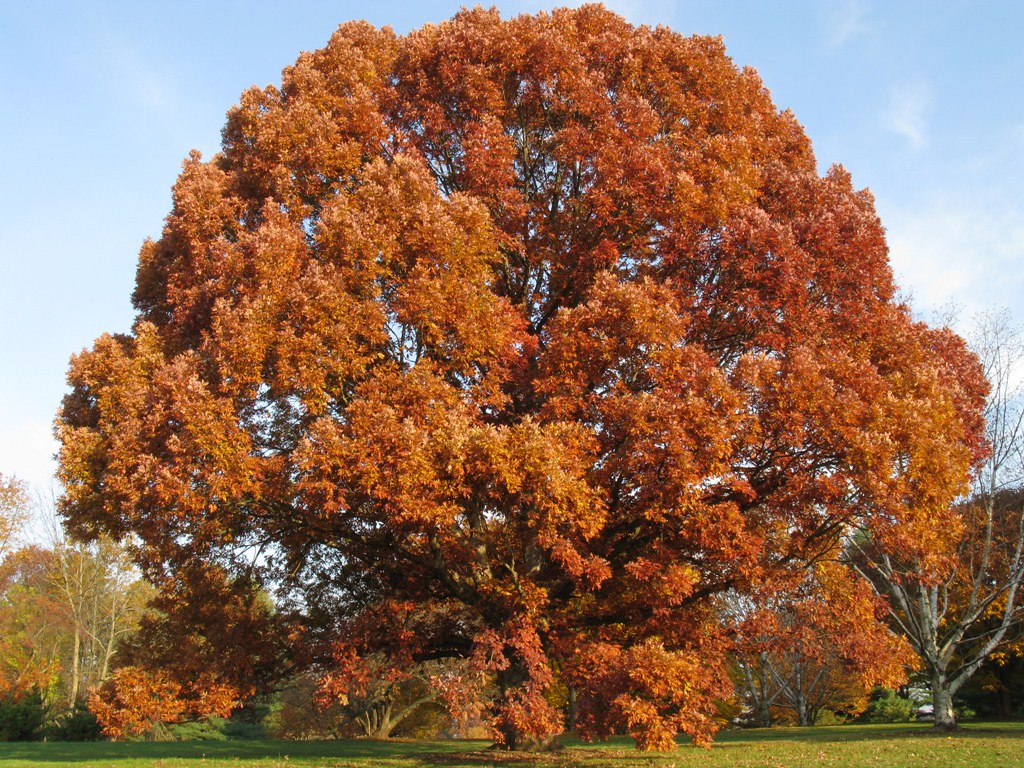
x,y
544,330
960,612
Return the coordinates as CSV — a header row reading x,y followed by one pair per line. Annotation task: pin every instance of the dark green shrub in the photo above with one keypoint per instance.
x,y
242,729
77,725
828,717
964,714
201,730
22,719
887,706
219,729
249,720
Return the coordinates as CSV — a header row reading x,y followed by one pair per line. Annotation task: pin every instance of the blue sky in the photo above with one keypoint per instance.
x,y
921,101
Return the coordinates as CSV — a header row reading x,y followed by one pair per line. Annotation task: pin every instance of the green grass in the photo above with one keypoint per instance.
x,y
990,745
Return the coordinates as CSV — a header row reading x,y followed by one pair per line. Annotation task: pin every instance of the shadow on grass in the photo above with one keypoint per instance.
x,y
110,752
439,754
621,749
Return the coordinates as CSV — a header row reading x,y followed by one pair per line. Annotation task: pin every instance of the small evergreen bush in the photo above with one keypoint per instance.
x,y
200,730
242,729
22,719
77,725
964,713
887,706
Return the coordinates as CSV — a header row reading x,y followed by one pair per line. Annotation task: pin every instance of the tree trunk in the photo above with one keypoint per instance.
x,y
377,723
802,714
942,701
380,720
108,654
76,652
511,737
1004,702
571,722
764,712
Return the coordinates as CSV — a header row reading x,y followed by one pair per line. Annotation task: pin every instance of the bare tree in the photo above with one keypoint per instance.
x,y
101,597
956,618
104,599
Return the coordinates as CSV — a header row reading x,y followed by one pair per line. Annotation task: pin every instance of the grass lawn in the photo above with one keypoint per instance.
x,y
989,745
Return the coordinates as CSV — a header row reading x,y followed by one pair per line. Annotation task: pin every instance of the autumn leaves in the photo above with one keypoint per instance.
x,y
548,324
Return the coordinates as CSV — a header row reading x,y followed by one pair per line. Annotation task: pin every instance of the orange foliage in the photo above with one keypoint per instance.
x,y
34,624
550,319
14,512
653,692
218,639
821,645
135,700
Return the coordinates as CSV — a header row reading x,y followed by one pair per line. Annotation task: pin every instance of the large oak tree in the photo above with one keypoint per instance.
x,y
547,326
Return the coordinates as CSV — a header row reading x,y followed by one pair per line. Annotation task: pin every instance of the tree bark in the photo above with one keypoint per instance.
x,y
76,653
379,721
942,701
376,722
803,717
571,720
764,713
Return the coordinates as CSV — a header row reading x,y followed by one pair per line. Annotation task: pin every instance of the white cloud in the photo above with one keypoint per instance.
x,y
907,114
27,451
960,251
845,21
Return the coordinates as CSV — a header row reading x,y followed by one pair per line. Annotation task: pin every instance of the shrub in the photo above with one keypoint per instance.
x,y
199,730
828,717
77,725
887,706
22,719
249,720
964,713
242,729
218,729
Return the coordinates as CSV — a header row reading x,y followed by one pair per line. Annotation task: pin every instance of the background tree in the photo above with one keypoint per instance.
x,y
102,599
32,630
379,671
548,325
956,612
996,690
298,714
376,695
204,625
822,645
63,612
28,638
63,609
14,509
